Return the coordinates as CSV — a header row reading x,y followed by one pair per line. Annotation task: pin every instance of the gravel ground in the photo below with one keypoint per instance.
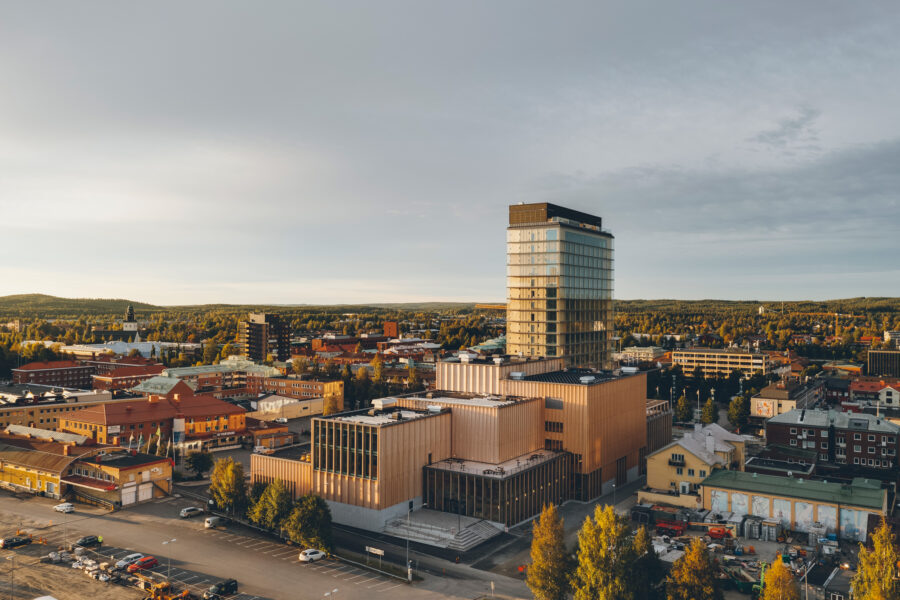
x,y
32,579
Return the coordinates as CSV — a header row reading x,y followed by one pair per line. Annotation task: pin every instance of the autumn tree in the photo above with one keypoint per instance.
x,y
709,413
738,411
692,576
309,523
683,411
330,405
547,576
300,365
273,506
210,352
377,369
647,572
876,573
605,556
227,487
779,583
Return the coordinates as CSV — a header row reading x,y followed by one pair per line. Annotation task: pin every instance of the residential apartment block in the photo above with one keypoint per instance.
x,y
716,362
61,373
263,334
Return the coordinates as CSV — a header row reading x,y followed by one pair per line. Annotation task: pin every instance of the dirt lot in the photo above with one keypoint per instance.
x,y
33,579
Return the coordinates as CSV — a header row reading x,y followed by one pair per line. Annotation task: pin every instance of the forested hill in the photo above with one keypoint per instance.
x,y
28,305
854,306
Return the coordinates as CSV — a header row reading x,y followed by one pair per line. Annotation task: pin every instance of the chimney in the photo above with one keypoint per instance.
x,y
65,450
177,398
153,399
710,443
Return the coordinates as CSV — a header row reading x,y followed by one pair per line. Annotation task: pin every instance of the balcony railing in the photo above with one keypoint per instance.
x,y
676,462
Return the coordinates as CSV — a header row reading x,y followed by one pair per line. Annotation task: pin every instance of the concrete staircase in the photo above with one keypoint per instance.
x,y
442,537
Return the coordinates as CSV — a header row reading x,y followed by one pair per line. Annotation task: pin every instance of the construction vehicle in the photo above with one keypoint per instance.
x,y
671,528
729,529
149,584
719,533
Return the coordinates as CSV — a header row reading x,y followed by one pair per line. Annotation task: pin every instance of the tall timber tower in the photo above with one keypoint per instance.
x,y
559,280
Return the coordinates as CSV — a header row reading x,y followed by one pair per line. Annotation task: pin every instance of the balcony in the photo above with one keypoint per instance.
x,y
676,462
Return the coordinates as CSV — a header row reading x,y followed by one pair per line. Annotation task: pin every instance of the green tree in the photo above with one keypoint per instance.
x,y
199,462
605,557
300,365
876,573
256,491
709,413
738,412
779,583
273,507
309,523
683,410
547,575
412,378
331,369
227,487
692,576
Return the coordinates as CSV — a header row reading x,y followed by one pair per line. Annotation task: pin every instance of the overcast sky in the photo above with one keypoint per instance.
x,y
335,151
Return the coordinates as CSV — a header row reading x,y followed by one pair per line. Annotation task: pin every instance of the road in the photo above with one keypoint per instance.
x,y
266,569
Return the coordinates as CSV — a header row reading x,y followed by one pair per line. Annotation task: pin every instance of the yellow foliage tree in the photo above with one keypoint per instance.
x,y
547,575
605,556
692,576
779,584
876,574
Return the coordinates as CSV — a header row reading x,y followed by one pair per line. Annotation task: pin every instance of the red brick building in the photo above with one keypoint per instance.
x,y
125,378
391,330
839,438
104,363
61,373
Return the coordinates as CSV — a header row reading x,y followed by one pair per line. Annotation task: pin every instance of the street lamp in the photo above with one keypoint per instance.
x,y
12,568
614,497
169,572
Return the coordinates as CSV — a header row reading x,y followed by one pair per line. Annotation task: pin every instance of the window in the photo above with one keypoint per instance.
x,y
553,426
871,438
793,430
679,471
823,433
702,473
857,448
824,445
690,472
855,460
678,458
857,437
793,442
871,450
823,456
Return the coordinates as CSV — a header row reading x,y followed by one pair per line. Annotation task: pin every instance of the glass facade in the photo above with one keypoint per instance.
x,y
560,291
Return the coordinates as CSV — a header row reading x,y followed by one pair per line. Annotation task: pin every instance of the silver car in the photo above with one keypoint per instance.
x,y
129,560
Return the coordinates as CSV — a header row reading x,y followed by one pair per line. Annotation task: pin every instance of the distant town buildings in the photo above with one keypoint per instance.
x,y
884,363
263,334
62,373
559,285
785,395
716,362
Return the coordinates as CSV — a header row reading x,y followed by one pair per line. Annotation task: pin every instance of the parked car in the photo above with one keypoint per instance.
x,y
263,450
190,511
213,522
223,588
282,420
88,541
129,560
15,541
65,507
148,562
311,555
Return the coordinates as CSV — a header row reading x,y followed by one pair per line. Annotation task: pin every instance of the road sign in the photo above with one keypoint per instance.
x,y
372,550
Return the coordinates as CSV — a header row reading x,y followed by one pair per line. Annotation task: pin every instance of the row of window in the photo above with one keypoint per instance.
x,y
690,472
889,439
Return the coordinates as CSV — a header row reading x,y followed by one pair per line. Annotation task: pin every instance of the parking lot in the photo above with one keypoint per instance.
x,y
65,531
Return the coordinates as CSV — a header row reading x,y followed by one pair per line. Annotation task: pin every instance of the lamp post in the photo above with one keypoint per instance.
x,y
12,568
169,571
614,497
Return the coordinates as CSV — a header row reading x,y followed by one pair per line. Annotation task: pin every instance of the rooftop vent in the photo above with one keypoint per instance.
x,y
383,403
498,360
434,408
587,379
517,375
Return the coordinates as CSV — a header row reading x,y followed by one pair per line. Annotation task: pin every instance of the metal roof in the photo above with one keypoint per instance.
x,y
863,493
46,434
159,385
840,420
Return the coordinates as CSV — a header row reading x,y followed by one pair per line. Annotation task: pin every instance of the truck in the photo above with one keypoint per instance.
x,y
671,528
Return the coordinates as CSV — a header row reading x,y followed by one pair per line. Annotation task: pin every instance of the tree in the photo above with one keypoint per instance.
x,y
779,583
412,378
683,410
256,491
309,523
647,571
210,352
300,365
876,573
331,369
199,462
692,576
605,556
227,486
330,405
738,412
273,507
134,353
709,413
547,576
377,369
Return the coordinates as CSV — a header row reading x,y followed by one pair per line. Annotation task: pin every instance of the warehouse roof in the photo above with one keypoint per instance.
x,y
863,493
840,420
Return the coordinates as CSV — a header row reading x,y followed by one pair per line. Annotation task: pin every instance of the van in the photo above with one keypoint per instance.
x,y
213,522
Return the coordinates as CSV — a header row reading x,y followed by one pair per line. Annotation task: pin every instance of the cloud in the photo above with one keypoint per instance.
x,y
793,132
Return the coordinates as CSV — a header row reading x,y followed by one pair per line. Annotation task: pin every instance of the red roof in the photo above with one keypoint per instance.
x,y
871,386
55,364
141,410
134,371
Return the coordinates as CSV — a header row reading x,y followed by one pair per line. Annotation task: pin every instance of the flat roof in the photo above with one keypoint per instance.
x,y
862,492
463,399
380,418
856,421
499,470
575,376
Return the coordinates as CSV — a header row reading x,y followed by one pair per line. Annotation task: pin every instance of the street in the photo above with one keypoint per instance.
x,y
265,568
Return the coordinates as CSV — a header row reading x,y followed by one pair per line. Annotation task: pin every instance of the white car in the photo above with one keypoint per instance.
x,y
129,560
311,555
65,507
281,420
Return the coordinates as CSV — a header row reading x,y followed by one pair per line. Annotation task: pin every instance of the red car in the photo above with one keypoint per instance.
x,y
145,563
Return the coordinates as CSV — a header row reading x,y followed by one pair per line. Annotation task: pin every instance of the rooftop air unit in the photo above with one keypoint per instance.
x,y
587,379
517,375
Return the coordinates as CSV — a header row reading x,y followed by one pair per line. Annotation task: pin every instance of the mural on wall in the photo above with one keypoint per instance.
x,y
718,501
803,515
739,504
827,516
760,507
853,524
782,511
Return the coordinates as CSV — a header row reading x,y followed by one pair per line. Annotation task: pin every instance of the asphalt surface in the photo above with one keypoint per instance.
x,y
265,568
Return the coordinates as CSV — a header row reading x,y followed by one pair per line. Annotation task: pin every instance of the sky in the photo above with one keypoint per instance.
x,y
350,152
